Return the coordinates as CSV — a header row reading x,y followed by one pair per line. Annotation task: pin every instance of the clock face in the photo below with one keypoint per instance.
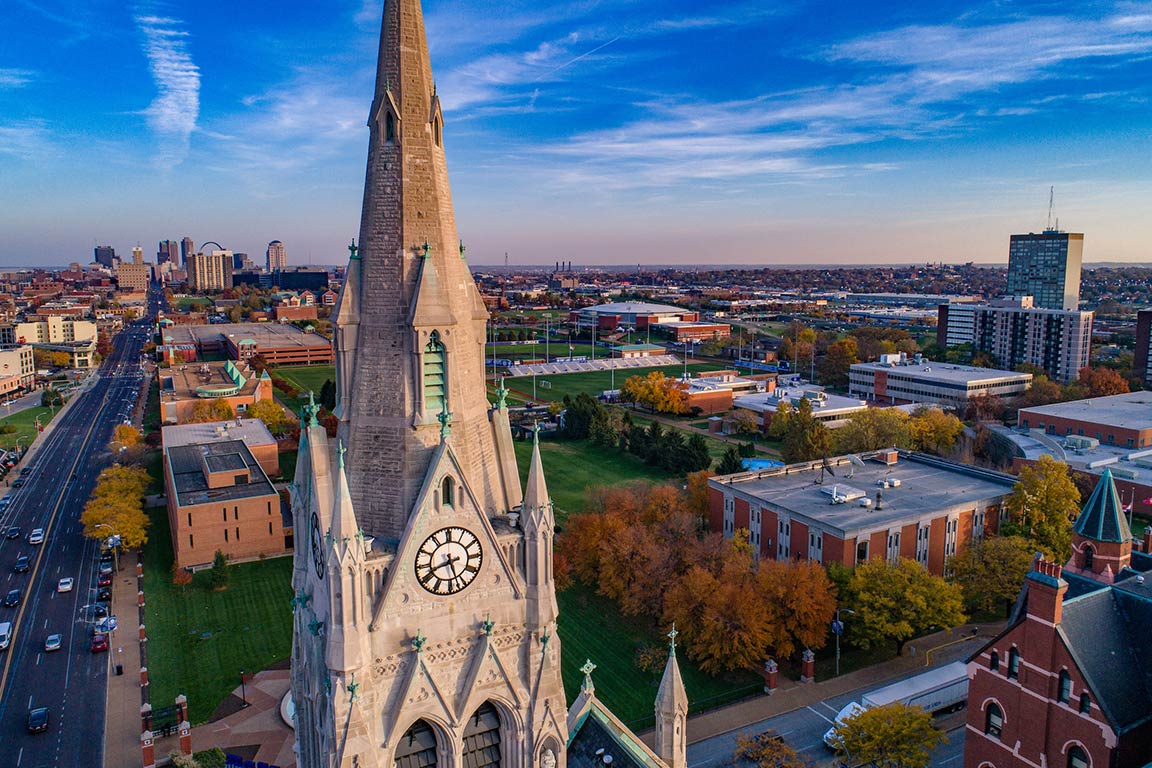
x,y
317,546
448,561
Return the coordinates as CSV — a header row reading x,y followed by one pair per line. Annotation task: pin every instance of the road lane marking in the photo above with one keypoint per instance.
x,y
820,715
831,709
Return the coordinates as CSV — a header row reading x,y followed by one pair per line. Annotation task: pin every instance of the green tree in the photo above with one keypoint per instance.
x,y
730,462
873,429
328,394
838,358
51,397
1043,505
578,415
806,439
778,424
272,414
697,456
896,602
891,736
991,571
221,570
934,431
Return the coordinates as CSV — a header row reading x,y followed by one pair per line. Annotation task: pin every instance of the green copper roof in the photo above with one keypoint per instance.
x,y
1102,518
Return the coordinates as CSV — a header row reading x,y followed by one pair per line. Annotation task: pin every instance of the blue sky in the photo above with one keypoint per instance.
x,y
732,131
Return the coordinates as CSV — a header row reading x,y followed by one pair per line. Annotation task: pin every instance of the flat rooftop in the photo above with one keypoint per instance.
x,y
267,335
946,373
1132,410
690,324
186,463
252,432
767,401
927,486
633,308
181,381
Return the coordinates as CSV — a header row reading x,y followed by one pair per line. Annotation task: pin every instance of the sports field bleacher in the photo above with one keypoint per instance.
x,y
542,369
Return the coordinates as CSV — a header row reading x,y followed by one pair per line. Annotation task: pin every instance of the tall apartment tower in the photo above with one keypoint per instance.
x,y
169,251
424,628
210,271
137,255
187,251
1046,266
105,255
277,256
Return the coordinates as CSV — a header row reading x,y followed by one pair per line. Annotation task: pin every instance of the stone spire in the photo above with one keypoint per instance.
x,y
410,324
672,712
537,503
539,530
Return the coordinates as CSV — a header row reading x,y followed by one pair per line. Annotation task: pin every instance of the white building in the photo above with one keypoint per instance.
x,y
897,378
831,410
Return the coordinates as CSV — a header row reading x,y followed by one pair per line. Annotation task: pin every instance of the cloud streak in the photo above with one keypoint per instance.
x,y
11,79
175,111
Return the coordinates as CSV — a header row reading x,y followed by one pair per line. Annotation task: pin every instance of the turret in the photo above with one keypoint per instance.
x,y
346,324
672,712
1101,538
348,618
539,528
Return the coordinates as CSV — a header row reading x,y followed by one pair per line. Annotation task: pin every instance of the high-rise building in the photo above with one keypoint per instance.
x,y
169,251
1013,331
137,255
187,250
1046,266
105,255
277,256
424,628
210,271
1142,362
133,277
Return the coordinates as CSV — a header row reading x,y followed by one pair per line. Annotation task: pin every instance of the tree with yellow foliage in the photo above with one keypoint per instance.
x,y
117,506
895,602
891,736
272,414
657,392
125,436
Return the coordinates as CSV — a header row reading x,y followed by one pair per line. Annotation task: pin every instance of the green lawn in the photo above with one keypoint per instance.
x,y
199,639
592,628
555,386
194,302
25,424
571,467
553,350
306,377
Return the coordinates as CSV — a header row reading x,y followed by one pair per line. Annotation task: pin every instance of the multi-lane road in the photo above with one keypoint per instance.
x,y
72,681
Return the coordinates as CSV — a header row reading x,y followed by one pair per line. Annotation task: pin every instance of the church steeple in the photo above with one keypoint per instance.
x,y
1101,538
672,712
410,325
539,529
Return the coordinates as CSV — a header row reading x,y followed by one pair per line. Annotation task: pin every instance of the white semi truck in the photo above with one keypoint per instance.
x,y
940,689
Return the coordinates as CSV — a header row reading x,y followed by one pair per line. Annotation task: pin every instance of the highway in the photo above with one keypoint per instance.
x,y
72,681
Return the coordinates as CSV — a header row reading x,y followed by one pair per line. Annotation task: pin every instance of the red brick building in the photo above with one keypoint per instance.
x,y
1068,684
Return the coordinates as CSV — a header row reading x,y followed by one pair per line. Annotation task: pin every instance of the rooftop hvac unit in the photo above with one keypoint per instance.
x,y
866,502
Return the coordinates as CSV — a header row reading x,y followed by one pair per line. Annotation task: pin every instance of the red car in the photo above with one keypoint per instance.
x,y
105,580
99,643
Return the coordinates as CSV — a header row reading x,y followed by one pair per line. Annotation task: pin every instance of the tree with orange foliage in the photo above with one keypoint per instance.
x,y
801,600
696,494
657,392
1101,382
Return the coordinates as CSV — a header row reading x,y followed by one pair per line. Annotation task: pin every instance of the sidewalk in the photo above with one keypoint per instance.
x,y
256,732
122,725
931,650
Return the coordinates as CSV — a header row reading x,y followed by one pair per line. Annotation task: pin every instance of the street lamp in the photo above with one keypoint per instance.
x,y
243,690
838,629
115,548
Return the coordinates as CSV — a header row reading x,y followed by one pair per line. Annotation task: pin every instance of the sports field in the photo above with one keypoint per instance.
x,y
555,386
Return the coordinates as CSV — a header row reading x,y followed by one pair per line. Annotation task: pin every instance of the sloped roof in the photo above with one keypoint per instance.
x,y
1102,518
599,734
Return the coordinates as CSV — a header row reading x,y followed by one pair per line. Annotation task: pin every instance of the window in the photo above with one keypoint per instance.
x,y
269,507
269,529
235,513
1085,703
417,747
224,514
434,374
448,492
1064,687
189,519
1089,556
993,721
1013,664
225,535
482,738
237,534
994,662
1077,757
389,127
862,551
437,132
191,542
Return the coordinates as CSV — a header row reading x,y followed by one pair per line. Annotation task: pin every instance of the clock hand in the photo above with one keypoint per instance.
x,y
448,560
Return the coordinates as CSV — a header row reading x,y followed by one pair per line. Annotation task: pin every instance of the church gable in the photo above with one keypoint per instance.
x,y
487,676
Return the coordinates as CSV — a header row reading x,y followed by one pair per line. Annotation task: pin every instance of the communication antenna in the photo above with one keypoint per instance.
x,y
505,259
1051,204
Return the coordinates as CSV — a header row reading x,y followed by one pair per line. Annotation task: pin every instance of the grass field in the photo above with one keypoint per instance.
x,y
555,386
553,350
200,639
198,302
306,377
25,424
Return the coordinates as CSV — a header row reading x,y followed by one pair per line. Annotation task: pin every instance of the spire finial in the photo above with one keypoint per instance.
x,y
419,641
353,687
536,433
310,411
340,451
501,394
426,249
462,249
353,251
488,624
588,669
445,419
672,639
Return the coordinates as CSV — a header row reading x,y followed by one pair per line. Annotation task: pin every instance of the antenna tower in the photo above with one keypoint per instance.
x,y
1051,204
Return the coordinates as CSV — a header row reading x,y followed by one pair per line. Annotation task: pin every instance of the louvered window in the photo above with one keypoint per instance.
x,y
434,378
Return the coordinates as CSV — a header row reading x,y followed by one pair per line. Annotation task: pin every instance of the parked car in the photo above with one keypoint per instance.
x,y
99,643
22,564
104,580
38,720
52,643
12,599
65,584
104,594
100,610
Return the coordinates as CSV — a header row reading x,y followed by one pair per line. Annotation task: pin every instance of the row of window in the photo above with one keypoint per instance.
x,y
994,725
1063,683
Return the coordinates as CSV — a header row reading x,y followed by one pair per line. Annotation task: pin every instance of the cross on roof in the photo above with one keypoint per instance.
x,y
352,249
672,637
419,641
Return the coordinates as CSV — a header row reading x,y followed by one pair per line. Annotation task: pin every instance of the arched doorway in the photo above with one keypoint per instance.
x,y
417,747
482,738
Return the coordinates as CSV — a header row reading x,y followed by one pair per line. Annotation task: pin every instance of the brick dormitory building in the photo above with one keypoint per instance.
x,y
1068,684
889,504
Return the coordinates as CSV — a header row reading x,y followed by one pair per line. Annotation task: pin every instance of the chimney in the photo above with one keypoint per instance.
x,y
1046,591
1147,549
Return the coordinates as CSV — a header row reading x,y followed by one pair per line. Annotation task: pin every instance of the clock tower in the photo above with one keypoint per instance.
x,y
424,608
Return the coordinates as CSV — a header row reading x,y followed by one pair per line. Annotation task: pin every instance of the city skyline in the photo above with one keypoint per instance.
x,y
599,133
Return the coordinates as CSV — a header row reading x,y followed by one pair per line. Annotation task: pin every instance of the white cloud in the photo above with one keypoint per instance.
x,y
11,79
175,111
25,140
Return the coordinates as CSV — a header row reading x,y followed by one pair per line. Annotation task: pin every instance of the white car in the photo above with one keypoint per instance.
x,y
65,584
52,643
37,536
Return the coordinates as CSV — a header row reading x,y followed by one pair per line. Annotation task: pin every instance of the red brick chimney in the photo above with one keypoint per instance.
x,y
1046,591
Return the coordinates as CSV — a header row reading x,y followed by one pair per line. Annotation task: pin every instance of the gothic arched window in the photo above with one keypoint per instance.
x,y
993,721
1089,556
389,127
434,370
1077,757
417,747
1013,664
1085,703
482,738
437,131
994,662
1064,687
448,492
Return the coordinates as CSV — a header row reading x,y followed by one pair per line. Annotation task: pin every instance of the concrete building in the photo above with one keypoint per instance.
x,y
1046,266
219,494
277,256
1142,360
187,249
210,271
134,277
105,256
637,315
17,369
899,379
168,252
887,504
1069,683
1013,332
715,391
51,330
831,410
137,255
185,385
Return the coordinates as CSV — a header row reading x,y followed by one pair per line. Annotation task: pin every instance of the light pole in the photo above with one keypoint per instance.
x,y
243,690
115,549
547,333
838,629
